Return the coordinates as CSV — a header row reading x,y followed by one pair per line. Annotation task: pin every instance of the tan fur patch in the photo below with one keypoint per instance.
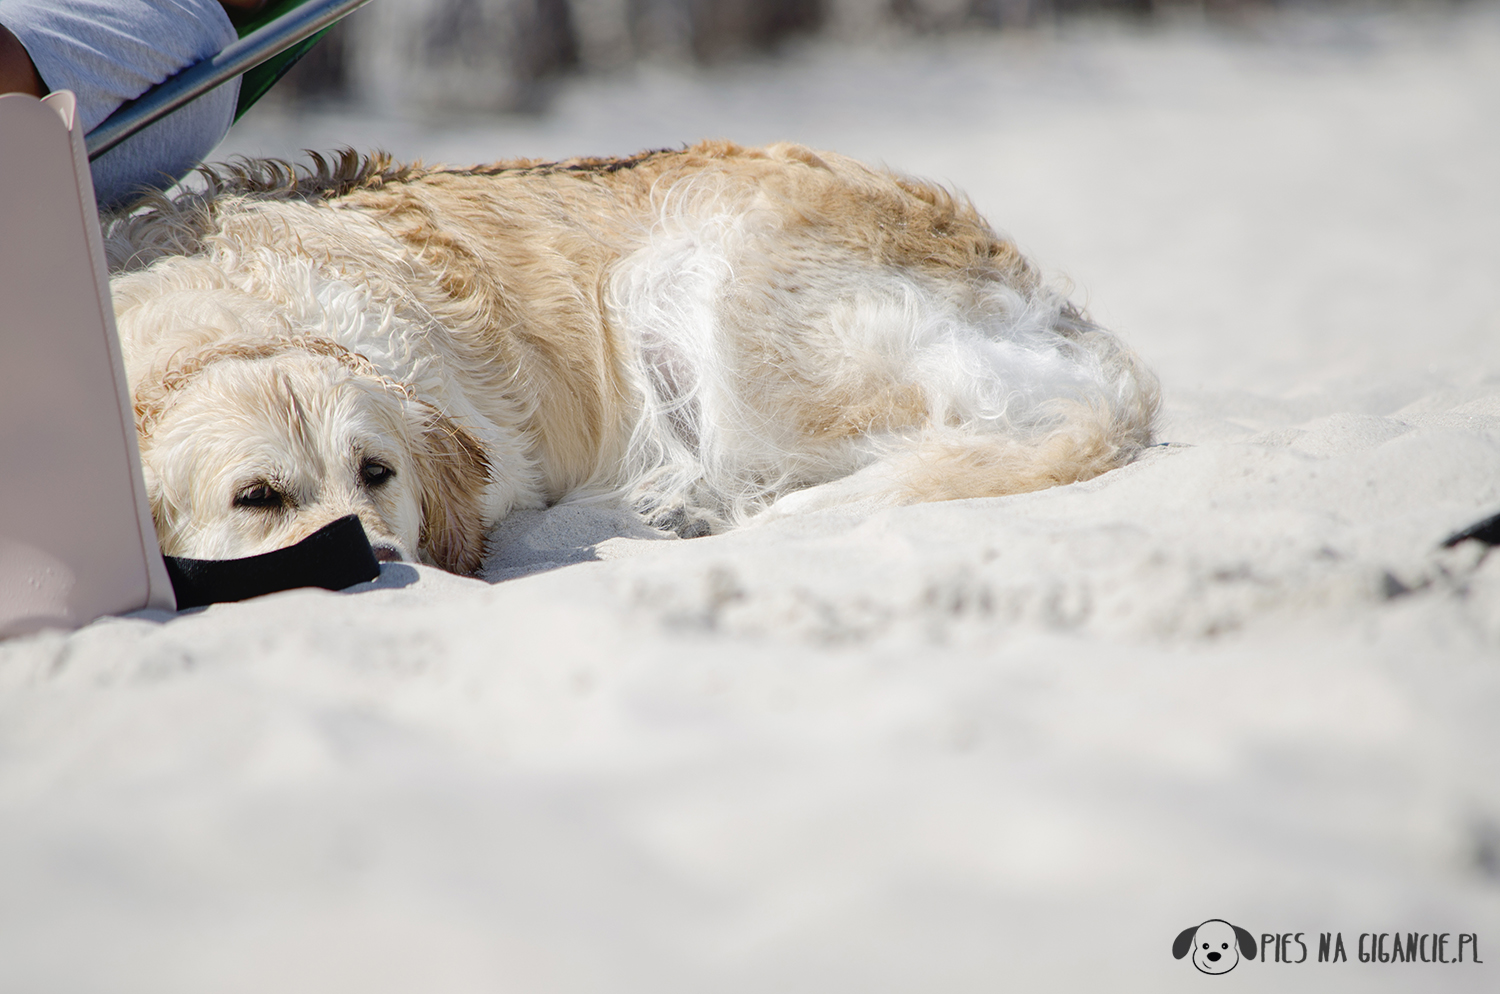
x,y
454,472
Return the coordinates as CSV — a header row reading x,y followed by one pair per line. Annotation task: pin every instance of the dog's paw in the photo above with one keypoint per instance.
x,y
682,521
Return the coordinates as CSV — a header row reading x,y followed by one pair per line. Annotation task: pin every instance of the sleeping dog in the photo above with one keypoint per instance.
x,y
712,335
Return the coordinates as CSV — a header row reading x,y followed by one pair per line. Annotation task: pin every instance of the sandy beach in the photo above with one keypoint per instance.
x,y
1008,744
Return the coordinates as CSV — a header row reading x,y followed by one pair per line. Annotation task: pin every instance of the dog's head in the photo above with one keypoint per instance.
x,y
1216,945
250,446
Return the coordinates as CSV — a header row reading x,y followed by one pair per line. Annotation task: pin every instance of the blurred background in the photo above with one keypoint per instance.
x,y
505,55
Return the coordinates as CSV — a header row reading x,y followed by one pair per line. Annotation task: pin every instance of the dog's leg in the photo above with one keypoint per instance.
x,y
945,464
875,487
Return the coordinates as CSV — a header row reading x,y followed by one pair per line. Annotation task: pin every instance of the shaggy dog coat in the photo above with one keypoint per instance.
x,y
710,334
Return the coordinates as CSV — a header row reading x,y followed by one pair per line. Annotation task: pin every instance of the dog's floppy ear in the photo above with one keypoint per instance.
x,y
452,474
1184,942
1246,942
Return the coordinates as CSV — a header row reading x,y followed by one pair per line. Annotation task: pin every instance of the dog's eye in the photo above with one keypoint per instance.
x,y
261,497
375,473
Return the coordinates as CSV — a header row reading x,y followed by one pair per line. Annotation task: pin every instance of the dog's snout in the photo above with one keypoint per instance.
x,y
385,553
1213,957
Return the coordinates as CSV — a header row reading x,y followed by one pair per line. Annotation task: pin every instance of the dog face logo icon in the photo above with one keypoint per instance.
x,y
1216,945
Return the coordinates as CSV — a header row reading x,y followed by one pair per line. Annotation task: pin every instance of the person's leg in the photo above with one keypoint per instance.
x,y
17,74
111,51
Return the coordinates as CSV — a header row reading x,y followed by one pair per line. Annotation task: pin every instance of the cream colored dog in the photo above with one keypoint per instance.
x,y
709,334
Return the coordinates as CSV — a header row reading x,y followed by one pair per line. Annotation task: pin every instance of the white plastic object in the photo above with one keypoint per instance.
x,y
76,538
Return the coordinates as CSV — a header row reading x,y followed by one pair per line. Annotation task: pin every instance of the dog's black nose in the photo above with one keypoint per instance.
x,y
386,553
1213,957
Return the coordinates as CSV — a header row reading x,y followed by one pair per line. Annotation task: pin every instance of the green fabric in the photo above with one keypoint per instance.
x,y
255,82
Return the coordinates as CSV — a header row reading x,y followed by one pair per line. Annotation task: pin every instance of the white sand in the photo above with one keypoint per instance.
x,y
1011,744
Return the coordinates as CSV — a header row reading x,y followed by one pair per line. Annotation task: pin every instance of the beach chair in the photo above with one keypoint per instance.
x,y
269,45
76,536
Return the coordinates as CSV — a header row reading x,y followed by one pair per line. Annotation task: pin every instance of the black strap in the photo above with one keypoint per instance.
x,y
1486,531
335,556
